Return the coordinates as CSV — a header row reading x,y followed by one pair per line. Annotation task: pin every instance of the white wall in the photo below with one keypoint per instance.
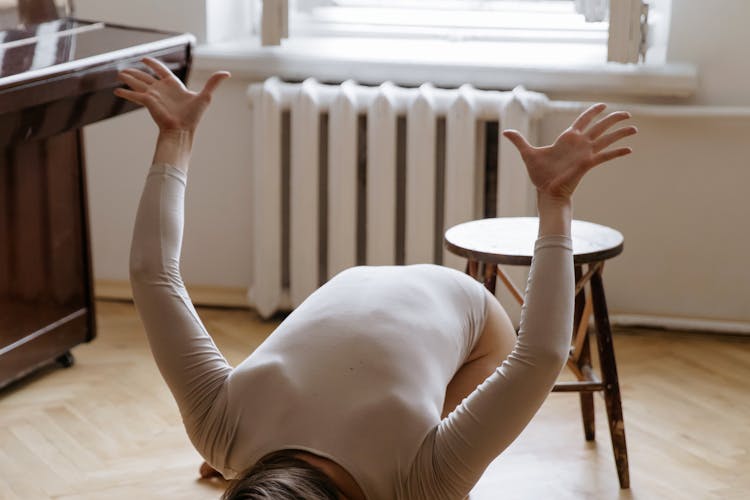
x,y
208,20
714,36
681,200
217,247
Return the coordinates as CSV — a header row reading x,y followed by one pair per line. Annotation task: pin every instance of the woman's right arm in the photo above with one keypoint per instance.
x,y
454,456
187,357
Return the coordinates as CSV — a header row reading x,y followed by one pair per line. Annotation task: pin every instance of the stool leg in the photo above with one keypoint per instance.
x,y
472,268
490,277
587,398
584,359
609,377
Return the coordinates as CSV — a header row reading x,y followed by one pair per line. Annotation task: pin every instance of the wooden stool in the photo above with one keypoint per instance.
x,y
487,243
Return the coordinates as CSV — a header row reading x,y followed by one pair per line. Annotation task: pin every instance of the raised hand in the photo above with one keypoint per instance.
x,y
557,169
173,107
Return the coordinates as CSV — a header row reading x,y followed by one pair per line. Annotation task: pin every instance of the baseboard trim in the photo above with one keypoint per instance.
x,y
201,295
218,296
686,324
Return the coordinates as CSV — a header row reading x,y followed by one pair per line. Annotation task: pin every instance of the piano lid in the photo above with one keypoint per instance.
x,y
59,75
43,50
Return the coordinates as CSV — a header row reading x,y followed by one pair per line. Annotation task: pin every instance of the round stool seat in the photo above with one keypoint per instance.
x,y
510,240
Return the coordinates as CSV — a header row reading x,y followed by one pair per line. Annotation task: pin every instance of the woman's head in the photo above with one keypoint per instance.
x,y
282,476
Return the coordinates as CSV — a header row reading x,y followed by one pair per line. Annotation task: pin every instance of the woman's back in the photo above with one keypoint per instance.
x,y
358,372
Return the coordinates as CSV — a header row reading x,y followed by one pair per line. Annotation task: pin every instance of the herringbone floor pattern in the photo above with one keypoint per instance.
x,y
108,429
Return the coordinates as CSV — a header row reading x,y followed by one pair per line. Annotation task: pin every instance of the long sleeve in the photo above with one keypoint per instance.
x,y
454,456
187,357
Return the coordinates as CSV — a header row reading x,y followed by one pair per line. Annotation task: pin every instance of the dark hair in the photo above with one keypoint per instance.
x,y
280,475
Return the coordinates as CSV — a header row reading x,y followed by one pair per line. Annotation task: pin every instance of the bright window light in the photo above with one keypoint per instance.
x,y
475,20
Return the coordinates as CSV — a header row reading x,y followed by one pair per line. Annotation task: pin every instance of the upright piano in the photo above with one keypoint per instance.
x,y
57,74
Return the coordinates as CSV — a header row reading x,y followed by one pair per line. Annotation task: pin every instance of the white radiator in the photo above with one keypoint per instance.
x,y
348,174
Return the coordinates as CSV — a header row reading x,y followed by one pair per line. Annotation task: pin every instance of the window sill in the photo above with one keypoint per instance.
x,y
545,68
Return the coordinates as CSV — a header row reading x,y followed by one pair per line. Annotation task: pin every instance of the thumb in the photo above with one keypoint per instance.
x,y
213,83
518,140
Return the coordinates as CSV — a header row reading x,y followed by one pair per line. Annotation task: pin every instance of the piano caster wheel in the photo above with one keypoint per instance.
x,y
66,360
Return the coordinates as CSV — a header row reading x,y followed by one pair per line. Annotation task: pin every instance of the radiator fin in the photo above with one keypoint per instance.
x,y
420,178
305,230
267,223
462,165
381,178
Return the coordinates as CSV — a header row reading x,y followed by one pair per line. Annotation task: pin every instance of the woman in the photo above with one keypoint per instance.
x,y
386,383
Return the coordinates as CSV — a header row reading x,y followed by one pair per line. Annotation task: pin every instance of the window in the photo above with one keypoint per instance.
x,y
621,28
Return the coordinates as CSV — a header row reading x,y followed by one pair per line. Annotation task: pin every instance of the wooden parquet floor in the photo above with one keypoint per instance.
x,y
107,427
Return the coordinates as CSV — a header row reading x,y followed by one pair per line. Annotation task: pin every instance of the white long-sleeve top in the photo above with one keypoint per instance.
x,y
358,372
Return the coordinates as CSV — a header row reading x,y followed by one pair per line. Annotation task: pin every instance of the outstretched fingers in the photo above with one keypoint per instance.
x,y
133,96
606,123
213,82
159,68
611,154
132,82
153,105
139,75
588,116
518,140
607,140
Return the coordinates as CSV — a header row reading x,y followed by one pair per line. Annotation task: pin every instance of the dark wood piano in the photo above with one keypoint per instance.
x,y
56,75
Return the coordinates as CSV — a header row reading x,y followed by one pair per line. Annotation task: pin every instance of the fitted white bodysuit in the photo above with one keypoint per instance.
x,y
358,372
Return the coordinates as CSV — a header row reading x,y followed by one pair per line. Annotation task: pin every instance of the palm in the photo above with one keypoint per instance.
x,y
557,169
170,103
174,106
560,166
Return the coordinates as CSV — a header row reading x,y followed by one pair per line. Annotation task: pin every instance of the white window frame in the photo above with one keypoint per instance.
x,y
626,41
